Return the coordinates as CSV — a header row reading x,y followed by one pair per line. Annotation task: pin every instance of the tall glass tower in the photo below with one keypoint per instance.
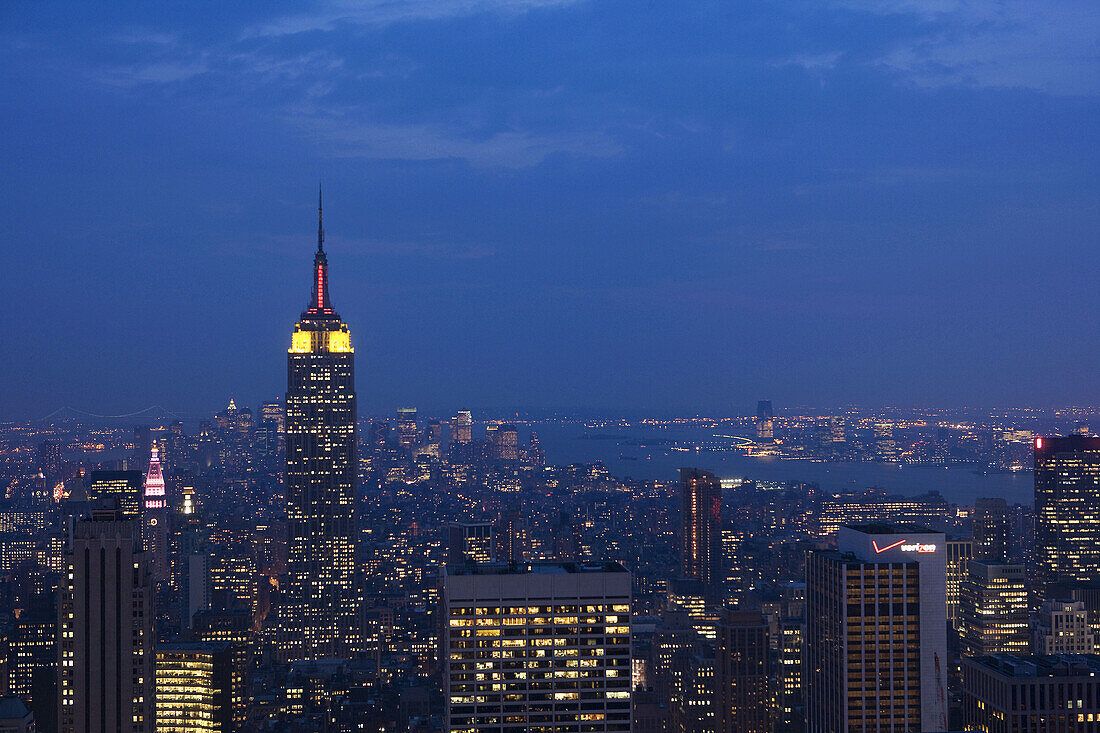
x,y
318,614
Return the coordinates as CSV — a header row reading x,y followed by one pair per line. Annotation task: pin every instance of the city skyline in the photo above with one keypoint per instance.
x,y
871,203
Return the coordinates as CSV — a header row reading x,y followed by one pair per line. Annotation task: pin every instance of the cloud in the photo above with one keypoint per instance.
x,y
1047,46
387,12
438,141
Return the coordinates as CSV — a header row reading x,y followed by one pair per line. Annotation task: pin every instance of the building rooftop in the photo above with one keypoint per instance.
x,y
891,529
1042,665
536,568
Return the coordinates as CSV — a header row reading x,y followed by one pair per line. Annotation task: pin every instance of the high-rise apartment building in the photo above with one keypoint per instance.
x,y
543,647
743,696
318,611
1067,507
876,632
1063,628
993,610
701,527
105,621
992,530
1009,693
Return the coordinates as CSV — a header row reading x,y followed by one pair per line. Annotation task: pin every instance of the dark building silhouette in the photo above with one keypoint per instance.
x,y
992,530
742,674
105,620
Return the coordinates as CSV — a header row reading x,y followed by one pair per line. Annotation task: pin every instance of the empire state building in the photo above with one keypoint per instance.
x,y
318,612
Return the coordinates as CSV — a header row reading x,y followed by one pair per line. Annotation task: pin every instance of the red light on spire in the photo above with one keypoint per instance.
x,y
1038,444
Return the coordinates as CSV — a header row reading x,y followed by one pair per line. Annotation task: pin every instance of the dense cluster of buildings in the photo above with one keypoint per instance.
x,y
301,569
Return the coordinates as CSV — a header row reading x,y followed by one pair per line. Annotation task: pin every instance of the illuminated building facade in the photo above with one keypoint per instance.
x,y
317,617
542,647
743,698
1009,693
993,610
195,688
848,509
701,527
1067,507
105,620
154,520
125,487
876,632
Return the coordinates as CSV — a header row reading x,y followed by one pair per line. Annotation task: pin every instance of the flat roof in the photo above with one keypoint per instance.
x,y
1041,665
536,568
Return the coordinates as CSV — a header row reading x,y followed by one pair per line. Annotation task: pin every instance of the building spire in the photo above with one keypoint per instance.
x,y
319,306
320,228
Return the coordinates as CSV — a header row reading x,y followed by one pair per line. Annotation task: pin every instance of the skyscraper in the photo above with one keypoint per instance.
x,y
154,519
319,606
993,610
876,632
701,527
407,432
105,619
1067,507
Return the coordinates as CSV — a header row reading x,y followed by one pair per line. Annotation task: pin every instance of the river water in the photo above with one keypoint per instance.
x,y
644,452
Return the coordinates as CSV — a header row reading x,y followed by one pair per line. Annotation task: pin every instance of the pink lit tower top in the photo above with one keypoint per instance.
x,y
154,525
154,482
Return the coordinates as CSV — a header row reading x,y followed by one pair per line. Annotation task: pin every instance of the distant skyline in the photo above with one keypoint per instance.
x,y
574,205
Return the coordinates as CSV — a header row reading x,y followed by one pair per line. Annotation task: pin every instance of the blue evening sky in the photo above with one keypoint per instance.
x,y
566,204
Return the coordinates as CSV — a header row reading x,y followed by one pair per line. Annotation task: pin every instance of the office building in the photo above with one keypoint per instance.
x,y
993,610
541,647
318,611
124,487
876,632
959,555
14,716
929,510
462,427
407,432
1009,693
1067,508
105,620
471,542
992,530
701,528
743,697
1063,628
503,442
198,688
